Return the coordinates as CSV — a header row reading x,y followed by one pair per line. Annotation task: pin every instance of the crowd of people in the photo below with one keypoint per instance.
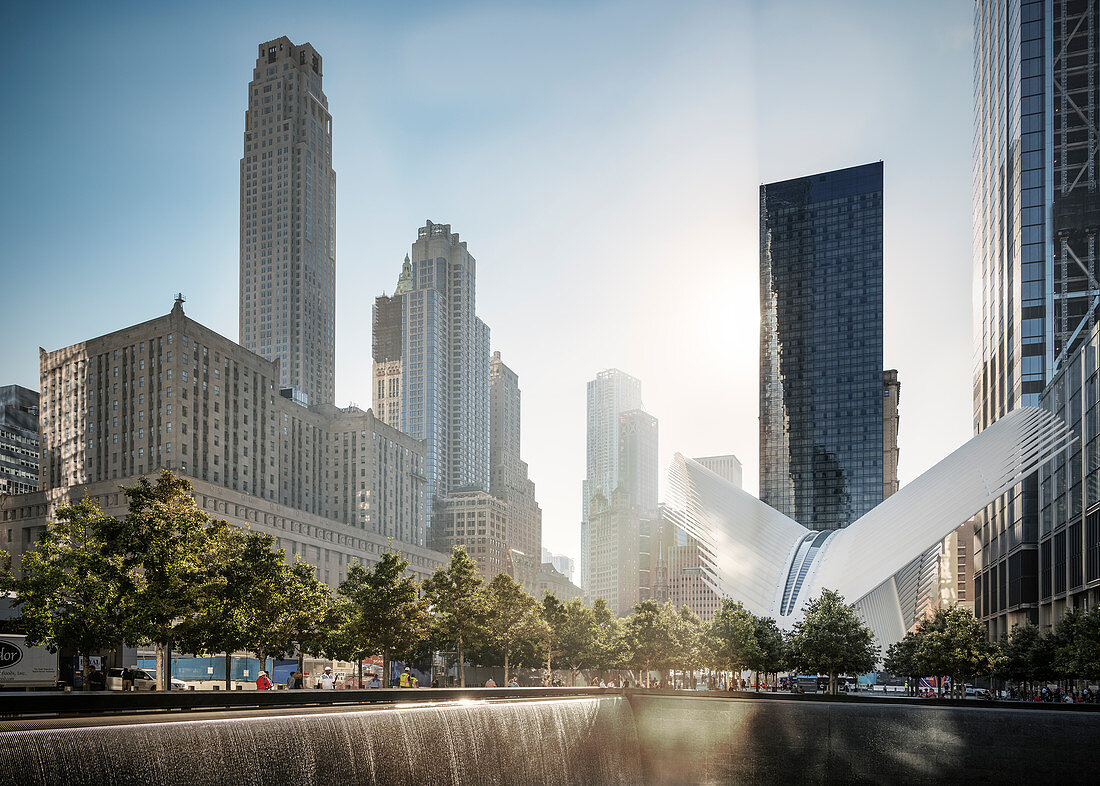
x,y
1050,695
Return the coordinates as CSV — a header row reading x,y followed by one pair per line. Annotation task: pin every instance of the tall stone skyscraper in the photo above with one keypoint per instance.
x,y
821,376
508,473
431,362
288,221
1036,273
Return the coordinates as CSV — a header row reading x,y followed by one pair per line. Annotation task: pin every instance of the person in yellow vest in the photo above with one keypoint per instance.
x,y
406,679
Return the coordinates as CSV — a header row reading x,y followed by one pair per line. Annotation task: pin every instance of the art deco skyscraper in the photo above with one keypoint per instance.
x,y
821,376
1036,272
443,376
288,221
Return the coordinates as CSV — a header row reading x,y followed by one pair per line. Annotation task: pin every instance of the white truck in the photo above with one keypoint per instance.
x,y
26,667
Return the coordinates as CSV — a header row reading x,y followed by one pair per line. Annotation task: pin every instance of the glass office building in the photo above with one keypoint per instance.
x,y
1035,270
821,369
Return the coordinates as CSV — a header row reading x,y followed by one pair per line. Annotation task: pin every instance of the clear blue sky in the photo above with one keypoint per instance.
x,y
602,160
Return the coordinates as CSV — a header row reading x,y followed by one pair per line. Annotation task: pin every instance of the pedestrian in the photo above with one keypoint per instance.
x,y
263,682
328,679
406,678
490,683
291,680
513,683
374,682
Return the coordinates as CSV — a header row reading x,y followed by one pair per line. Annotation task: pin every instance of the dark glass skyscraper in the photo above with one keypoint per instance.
x,y
1036,194
821,378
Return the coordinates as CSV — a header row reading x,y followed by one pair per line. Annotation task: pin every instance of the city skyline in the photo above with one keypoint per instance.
x,y
566,241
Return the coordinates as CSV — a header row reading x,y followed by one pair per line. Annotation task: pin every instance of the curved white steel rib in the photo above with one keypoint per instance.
x,y
757,555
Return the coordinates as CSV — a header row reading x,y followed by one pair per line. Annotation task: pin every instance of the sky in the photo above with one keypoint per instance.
x,y
601,159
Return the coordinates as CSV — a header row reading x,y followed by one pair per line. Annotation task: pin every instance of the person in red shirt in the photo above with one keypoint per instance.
x,y
263,682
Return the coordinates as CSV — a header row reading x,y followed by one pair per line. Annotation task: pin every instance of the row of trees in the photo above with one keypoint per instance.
x,y
168,575
953,643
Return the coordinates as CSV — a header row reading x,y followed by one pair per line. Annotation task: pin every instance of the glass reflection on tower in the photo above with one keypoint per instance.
x,y
821,383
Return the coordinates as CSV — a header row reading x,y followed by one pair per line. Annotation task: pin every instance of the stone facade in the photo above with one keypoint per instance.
x,y
727,467
618,552
479,521
508,479
288,221
172,394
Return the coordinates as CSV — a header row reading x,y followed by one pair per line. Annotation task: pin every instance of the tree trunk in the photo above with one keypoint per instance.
x,y
160,666
86,670
360,672
263,662
385,668
832,683
301,662
461,665
228,671
505,668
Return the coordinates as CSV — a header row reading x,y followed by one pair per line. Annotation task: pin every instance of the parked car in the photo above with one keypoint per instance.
x,y
144,679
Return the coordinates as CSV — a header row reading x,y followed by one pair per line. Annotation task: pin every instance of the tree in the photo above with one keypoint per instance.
x,y
344,636
388,602
1019,653
831,639
160,540
769,652
219,624
1078,647
650,634
734,630
606,648
577,633
512,619
954,643
457,601
901,659
72,590
553,616
303,615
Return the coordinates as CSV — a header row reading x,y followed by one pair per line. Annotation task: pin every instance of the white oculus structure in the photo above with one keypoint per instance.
x,y
773,565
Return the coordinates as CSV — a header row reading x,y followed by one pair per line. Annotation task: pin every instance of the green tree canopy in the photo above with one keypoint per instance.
x,y
73,589
160,542
512,621
953,643
456,594
769,655
832,639
1078,644
392,613
733,629
650,636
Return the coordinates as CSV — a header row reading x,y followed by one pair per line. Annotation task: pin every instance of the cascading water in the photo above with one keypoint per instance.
x,y
571,741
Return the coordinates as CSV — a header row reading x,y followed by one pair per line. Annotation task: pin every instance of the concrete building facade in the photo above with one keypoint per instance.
x,y
479,521
727,467
288,221
508,473
19,448
171,394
